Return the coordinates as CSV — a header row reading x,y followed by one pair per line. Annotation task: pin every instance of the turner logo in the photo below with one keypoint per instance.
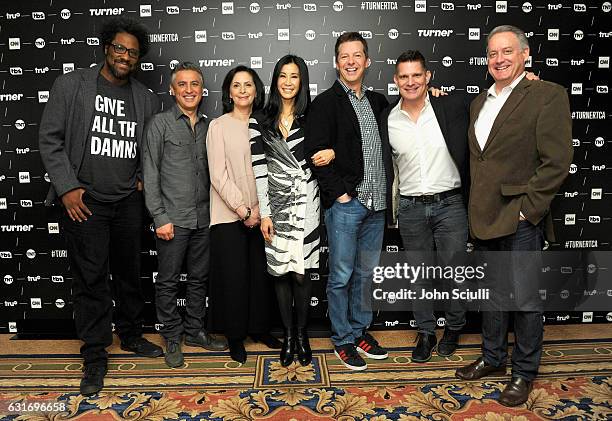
x,y
10,97
145,10
283,34
199,36
227,8
43,96
501,6
427,33
109,11
173,10
256,62
35,303
14,43
147,67
93,41
228,36
38,15
16,71
16,228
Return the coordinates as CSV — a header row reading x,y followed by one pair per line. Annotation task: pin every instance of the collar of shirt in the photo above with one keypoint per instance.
x,y
398,107
352,91
506,89
178,113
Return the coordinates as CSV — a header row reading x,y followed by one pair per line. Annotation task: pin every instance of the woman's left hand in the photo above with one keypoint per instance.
x,y
323,157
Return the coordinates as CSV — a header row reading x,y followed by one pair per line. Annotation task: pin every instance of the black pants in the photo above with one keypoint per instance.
x,y
513,276
190,245
240,288
110,238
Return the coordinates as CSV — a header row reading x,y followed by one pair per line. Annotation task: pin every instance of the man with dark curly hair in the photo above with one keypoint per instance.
x,y
90,139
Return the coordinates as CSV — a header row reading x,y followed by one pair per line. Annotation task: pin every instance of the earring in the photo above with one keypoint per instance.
x,y
231,100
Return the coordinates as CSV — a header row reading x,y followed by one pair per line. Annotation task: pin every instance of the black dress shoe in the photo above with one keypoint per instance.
x,y
478,369
448,343
93,379
304,352
425,345
287,352
206,341
267,339
237,351
142,347
516,392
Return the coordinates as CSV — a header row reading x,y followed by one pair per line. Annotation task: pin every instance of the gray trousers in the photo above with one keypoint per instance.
x,y
192,247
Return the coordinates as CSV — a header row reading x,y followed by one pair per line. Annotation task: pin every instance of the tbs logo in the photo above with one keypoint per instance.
x,y
146,67
93,41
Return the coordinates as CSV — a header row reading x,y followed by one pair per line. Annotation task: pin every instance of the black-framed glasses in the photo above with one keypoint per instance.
x,y
120,49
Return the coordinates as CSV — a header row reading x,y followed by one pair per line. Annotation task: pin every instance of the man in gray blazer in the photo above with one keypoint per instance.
x,y
520,141
90,139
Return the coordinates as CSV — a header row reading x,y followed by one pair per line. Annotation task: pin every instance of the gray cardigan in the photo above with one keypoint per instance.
x,y
67,119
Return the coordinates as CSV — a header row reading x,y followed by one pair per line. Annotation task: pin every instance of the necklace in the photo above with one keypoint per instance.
x,y
286,121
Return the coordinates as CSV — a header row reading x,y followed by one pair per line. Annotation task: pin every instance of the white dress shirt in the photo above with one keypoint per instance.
x,y
491,107
424,163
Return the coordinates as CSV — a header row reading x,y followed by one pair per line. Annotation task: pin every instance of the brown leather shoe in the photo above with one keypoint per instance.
x,y
516,392
478,369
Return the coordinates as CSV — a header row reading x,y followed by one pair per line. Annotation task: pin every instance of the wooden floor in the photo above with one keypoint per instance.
x,y
391,339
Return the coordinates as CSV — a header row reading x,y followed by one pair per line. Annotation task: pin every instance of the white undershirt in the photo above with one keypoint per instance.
x,y
490,109
424,163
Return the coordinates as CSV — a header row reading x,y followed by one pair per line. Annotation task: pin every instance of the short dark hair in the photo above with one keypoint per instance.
x,y
260,94
186,65
410,56
113,26
302,99
350,36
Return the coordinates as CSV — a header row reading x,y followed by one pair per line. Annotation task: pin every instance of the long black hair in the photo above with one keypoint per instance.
x,y
260,94
302,99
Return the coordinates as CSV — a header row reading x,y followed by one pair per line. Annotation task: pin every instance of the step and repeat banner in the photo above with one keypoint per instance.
x,y
570,45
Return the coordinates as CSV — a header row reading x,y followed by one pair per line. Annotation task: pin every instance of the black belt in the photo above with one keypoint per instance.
x,y
433,198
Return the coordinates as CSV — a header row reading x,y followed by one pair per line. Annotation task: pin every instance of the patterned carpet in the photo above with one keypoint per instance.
x,y
575,384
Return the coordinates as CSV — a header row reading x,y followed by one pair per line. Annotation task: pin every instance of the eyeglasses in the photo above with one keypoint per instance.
x,y
120,49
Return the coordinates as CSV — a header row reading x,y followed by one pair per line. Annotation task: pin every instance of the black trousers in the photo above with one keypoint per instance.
x,y
514,277
191,246
109,239
240,288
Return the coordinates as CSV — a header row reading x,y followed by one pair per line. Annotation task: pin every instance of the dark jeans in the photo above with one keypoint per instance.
x,y
110,238
191,245
241,293
440,226
528,325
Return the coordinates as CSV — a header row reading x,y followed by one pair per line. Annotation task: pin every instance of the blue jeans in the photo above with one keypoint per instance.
x,y
440,226
354,235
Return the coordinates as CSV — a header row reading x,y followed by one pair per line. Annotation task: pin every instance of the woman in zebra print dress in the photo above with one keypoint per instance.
x,y
288,199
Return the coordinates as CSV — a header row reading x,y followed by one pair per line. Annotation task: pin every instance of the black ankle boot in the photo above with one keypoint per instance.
x,y
303,346
288,350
